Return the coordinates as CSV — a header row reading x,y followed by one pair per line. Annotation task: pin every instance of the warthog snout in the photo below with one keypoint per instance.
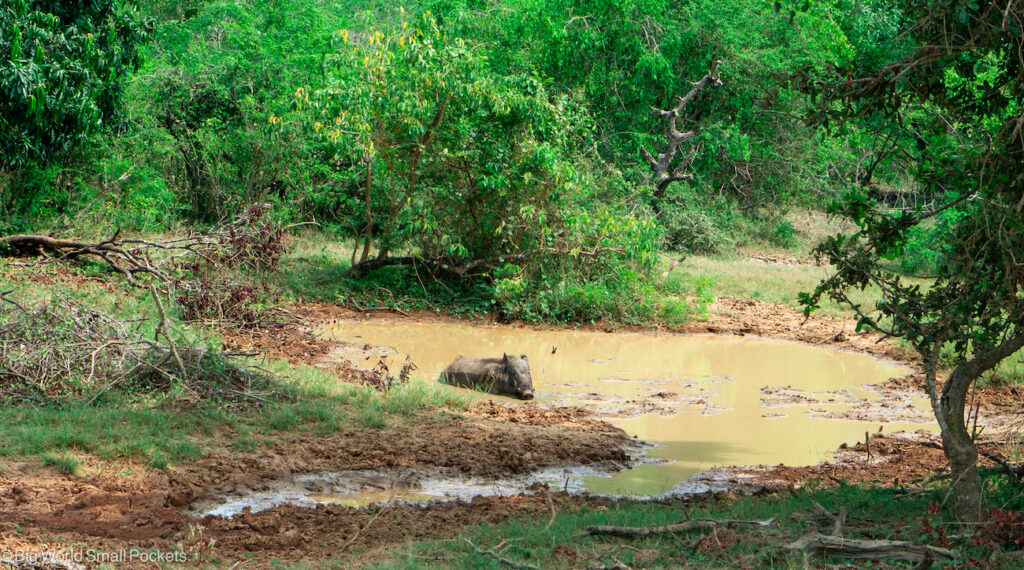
x,y
527,396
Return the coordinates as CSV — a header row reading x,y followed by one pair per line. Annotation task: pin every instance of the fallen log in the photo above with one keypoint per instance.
x,y
822,545
642,531
129,261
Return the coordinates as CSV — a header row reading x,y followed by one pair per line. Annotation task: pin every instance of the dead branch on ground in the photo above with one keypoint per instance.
x,y
822,545
507,561
240,241
61,350
695,524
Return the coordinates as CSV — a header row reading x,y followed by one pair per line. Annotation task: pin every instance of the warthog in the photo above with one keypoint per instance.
x,y
505,375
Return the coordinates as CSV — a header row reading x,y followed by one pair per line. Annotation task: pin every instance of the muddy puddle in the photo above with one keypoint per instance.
x,y
703,400
359,489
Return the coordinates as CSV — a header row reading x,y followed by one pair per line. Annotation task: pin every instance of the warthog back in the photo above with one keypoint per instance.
x,y
505,375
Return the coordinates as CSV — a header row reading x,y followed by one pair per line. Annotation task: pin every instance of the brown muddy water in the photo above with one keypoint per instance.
x,y
693,402
703,401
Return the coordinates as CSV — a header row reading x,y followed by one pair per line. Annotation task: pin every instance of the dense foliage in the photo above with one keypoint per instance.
x,y
498,143
953,107
63,70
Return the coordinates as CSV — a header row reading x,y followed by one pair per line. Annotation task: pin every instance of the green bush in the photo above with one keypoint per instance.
x,y
699,224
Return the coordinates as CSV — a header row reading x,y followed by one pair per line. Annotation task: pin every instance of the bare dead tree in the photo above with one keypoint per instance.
x,y
667,169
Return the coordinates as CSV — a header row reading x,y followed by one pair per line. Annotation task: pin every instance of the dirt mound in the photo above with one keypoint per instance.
x,y
533,414
328,531
472,446
133,509
742,317
147,509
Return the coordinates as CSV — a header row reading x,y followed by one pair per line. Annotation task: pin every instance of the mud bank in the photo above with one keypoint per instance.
x,y
109,507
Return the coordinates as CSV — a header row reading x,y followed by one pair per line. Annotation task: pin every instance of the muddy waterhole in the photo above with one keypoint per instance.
x,y
695,402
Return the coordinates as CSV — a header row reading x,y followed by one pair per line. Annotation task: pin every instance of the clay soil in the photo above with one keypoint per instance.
x,y
109,508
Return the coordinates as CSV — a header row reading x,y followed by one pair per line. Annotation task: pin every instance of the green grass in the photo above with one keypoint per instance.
x,y
65,463
1009,372
157,432
107,432
116,430
537,540
317,267
745,278
245,444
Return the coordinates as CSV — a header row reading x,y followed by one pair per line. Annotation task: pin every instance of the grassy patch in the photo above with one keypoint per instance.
x,y
119,430
317,267
129,420
107,432
64,463
1010,372
746,278
560,543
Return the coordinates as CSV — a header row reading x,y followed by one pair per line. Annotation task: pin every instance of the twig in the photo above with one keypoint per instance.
x,y
551,505
1015,472
3,297
499,557
371,309
300,224
163,328
617,566
360,531
245,395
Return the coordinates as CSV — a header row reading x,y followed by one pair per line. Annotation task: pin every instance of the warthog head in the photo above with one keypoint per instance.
x,y
518,370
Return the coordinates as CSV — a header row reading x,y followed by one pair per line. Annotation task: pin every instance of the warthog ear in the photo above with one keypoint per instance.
x,y
504,357
523,356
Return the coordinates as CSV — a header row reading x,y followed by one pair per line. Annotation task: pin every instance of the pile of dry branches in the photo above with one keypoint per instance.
x,y
206,272
62,351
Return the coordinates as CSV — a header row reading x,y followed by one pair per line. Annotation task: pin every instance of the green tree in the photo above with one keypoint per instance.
x,y
427,133
957,92
63,71
473,172
212,103
754,156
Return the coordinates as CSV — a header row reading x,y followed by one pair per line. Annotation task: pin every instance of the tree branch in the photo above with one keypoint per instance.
x,y
664,173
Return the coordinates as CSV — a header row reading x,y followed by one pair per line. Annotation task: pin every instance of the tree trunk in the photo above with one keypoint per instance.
x,y
956,440
368,230
963,463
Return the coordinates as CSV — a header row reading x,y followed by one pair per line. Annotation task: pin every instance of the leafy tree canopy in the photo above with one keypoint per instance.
x,y
63,69
957,98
